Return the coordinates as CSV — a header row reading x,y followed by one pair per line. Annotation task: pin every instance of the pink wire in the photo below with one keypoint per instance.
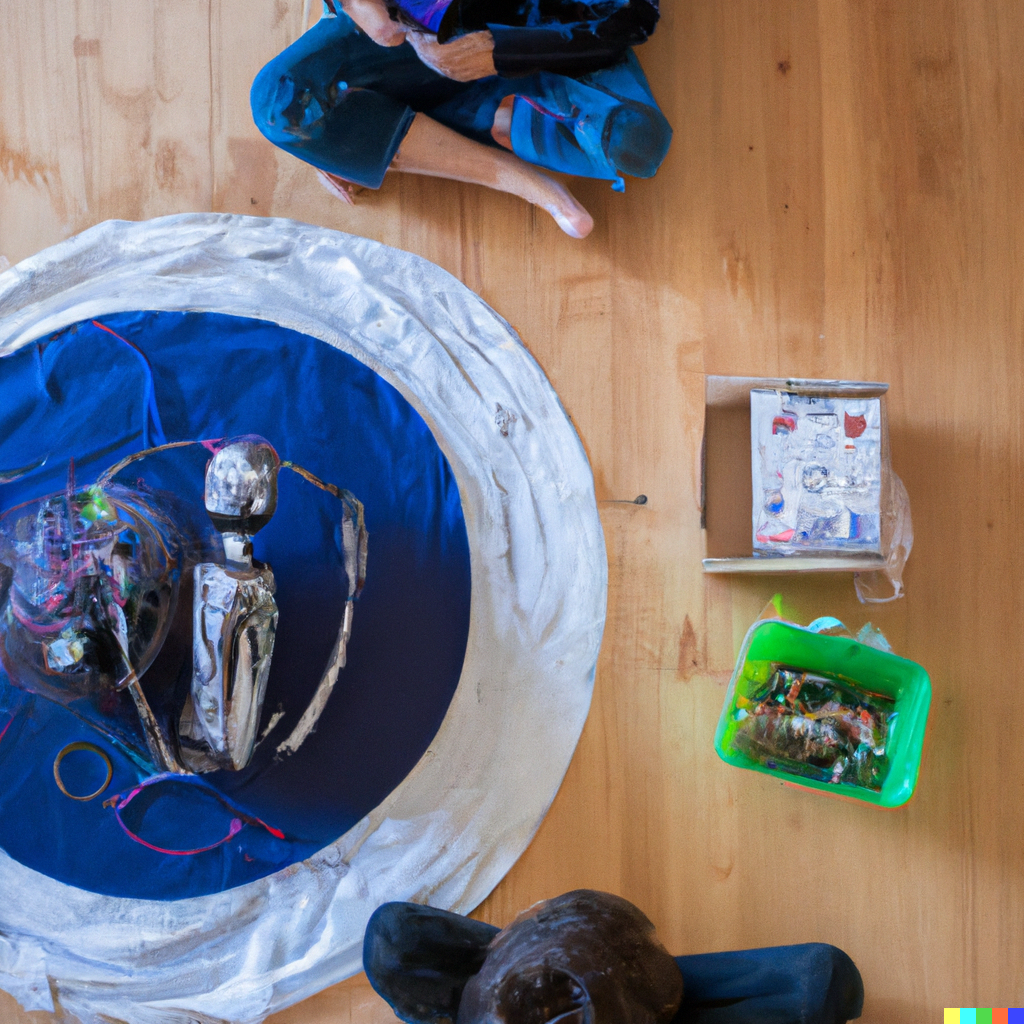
x,y
550,113
233,829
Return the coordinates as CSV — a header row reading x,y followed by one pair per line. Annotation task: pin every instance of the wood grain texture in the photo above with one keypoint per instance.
x,y
843,198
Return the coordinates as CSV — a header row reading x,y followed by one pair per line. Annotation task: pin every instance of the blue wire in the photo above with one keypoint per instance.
x,y
151,412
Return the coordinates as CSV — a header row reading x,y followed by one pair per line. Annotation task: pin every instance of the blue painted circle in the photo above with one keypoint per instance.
x,y
83,394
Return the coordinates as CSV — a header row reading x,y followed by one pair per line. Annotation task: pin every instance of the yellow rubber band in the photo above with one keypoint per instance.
x,y
93,749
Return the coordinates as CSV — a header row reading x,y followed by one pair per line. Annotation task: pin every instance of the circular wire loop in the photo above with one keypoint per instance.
x,y
239,819
92,749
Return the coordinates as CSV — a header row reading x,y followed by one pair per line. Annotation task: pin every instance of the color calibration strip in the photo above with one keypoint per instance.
x,y
964,1015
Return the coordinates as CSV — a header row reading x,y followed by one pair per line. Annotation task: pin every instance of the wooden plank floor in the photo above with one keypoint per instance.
x,y
843,198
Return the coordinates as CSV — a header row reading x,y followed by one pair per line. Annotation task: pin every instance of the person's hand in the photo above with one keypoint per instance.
x,y
373,18
465,58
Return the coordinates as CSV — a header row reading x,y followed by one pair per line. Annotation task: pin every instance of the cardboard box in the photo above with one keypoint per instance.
x,y
726,478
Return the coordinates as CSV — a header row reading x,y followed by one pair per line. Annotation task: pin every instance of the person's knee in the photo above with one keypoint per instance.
x,y
637,138
272,92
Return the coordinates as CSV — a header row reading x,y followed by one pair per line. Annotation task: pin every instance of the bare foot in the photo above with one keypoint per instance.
x,y
433,149
568,212
538,188
338,187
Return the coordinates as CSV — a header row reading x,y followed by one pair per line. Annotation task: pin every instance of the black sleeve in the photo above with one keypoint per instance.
x,y
568,47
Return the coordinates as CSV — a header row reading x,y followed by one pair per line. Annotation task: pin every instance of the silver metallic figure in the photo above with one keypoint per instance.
x,y
235,614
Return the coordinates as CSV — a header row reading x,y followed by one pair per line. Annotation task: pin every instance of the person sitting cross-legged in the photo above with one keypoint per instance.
x,y
486,91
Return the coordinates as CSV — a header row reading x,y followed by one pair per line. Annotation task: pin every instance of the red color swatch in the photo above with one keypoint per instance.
x,y
855,425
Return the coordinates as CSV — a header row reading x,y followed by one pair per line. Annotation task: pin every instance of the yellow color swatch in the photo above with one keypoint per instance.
x,y
951,1016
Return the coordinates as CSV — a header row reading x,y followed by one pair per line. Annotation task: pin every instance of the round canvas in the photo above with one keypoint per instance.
x,y
468,686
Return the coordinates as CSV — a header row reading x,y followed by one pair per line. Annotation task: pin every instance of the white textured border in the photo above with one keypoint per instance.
x,y
457,823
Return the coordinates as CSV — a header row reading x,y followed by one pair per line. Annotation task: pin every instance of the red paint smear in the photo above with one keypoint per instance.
x,y
786,535
130,344
855,425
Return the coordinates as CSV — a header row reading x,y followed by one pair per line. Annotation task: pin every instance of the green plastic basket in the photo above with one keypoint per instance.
x,y
776,642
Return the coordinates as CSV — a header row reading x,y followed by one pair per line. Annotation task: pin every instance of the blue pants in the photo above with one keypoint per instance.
x,y
342,103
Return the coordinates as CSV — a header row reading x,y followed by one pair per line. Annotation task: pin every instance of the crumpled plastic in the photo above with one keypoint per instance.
x,y
886,584
868,634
